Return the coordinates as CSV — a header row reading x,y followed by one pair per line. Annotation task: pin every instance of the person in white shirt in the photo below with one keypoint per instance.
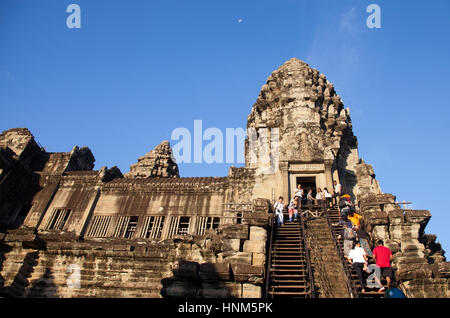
x,y
328,197
358,258
309,199
337,192
279,208
319,198
292,208
299,193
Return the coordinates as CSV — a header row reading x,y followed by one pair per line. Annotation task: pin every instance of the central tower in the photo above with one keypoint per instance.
x,y
300,132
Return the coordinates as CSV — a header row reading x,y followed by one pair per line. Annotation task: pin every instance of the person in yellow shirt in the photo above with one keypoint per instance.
x,y
354,218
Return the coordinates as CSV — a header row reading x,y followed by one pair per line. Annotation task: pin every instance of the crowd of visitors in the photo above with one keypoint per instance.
x,y
356,240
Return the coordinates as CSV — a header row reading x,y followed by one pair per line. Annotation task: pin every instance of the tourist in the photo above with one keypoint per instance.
x,y
354,218
320,198
393,291
348,235
363,238
292,208
299,191
328,197
358,258
279,208
383,257
344,205
299,194
310,199
337,191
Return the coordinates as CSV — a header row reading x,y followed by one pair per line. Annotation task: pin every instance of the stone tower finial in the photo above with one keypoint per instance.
x,y
157,163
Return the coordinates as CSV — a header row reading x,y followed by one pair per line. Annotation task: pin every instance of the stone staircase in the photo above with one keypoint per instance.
x,y
369,293
327,266
288,268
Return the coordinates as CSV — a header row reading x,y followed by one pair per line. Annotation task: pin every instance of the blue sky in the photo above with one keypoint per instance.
x,y
136,70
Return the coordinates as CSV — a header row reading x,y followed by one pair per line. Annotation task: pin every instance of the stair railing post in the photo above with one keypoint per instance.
x,y
272,224
308,260
350,284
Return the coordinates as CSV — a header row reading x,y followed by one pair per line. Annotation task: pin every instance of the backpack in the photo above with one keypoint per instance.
x,y
342,204
395,293
349,234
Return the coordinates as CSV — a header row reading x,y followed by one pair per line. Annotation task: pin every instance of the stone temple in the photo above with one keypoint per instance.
x,y
70,231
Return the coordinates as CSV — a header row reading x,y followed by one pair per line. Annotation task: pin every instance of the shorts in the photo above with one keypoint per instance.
x,y
386,272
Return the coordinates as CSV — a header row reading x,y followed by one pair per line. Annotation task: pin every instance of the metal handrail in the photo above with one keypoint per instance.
x,y
308,260
269,256
350,284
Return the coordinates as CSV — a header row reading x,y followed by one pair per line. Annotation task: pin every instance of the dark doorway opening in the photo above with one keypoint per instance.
x,y
307,184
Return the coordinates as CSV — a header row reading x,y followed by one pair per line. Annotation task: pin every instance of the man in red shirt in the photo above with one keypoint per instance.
x,y
383,257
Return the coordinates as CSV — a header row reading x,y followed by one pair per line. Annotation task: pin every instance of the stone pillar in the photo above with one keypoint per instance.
x,y
328,176
285,182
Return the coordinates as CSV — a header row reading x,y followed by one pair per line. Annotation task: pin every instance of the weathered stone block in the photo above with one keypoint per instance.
x,y
214,271
251,291
244,272
220,290
258,259
410,257
378,218
404,231
254,246
258,219
240,257
413,271
396,217
380,232
417,216
261,205
258,233
409,245
236,231
427,288
444,269
179,289
392,245
231,245
186,270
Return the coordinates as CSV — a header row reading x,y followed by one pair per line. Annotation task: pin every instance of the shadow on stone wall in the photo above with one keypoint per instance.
x,y
44,287
212,280
20,282
194,280
4,249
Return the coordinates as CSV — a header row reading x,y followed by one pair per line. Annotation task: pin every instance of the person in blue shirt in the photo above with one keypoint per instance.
x,y
393,291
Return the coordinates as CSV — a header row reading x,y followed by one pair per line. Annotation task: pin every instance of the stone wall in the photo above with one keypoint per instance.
x,y
227,263
419,262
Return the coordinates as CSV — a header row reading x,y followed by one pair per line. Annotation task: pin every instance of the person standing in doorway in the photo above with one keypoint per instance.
x,y
299,194
320,198
337,192
310,199
327,197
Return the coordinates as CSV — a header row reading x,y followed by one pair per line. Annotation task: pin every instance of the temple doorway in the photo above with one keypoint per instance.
x,y
307,183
